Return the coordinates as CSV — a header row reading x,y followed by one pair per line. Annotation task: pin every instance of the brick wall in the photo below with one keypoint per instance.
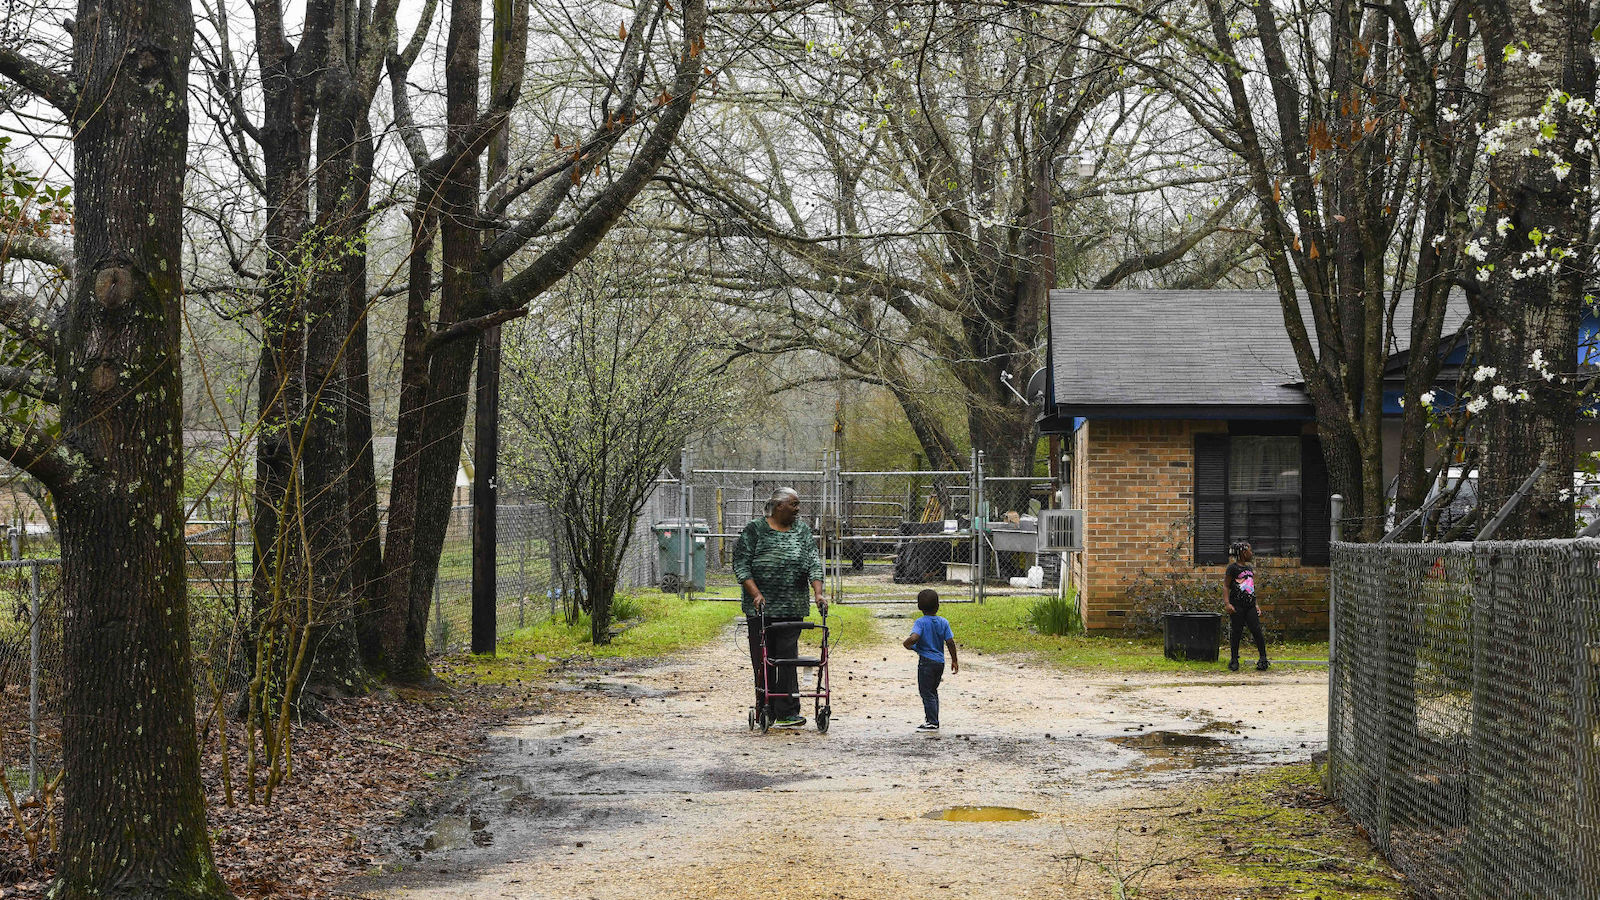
x,y
1135,482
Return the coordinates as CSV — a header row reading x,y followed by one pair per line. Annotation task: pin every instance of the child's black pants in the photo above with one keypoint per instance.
x,y
929,674
1245,615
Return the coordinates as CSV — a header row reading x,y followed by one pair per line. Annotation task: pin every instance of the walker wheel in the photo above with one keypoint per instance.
x,y
752,718
823,715
764,719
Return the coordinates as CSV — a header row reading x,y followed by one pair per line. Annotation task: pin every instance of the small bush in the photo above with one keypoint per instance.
x,y
1055,615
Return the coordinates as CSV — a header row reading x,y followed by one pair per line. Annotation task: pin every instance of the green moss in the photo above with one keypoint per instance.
x,y
999,626
1275,831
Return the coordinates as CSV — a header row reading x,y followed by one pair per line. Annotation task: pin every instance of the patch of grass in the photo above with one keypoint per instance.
x,y
625,607
1275,832
664,624
850,626
1000,626
1055,615
667,623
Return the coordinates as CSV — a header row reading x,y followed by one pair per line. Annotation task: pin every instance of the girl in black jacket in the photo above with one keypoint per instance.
x,y
1239,598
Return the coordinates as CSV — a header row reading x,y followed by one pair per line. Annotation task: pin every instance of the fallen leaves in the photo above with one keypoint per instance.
x,y
356,775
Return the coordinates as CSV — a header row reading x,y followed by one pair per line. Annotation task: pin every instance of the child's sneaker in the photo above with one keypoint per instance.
x,y
927,726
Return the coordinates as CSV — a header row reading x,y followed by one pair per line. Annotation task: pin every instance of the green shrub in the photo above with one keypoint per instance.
x,y
1055,615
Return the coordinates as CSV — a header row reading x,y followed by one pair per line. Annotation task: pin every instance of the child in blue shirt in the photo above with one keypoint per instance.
x,y
930,635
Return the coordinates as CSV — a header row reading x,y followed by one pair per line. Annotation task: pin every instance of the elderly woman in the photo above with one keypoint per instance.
x,y
776,561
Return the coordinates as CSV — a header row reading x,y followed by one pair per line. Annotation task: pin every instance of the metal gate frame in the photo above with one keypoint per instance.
x,y
834,519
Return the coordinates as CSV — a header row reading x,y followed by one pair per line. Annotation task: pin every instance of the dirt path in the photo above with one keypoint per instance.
x,y
648,783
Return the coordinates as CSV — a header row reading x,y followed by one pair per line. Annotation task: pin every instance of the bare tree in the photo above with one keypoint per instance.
x,y
1358,151
549,213
604,386
889,200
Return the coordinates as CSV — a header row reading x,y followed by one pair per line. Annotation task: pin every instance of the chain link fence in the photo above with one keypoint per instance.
x,y
30,673
1462,712
883,535
531,577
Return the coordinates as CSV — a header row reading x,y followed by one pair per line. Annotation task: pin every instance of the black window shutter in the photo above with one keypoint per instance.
x,y
1316,508
1210,499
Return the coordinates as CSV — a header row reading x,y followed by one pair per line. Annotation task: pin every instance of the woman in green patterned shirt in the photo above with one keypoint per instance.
x,y
776,561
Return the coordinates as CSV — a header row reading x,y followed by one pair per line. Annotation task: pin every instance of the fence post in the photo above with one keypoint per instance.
x,y
439,630
1336,531
33,680
1335,717
685,550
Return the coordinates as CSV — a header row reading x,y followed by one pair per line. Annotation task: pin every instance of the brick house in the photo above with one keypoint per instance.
x,y
1188,428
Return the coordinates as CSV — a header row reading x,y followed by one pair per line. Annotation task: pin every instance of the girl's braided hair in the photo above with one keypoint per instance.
x,y
1238,547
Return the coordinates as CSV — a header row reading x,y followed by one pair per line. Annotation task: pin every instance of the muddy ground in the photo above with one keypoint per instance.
x,y
646,782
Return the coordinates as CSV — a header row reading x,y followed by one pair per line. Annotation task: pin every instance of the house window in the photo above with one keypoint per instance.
x,y
1264,493
1270,490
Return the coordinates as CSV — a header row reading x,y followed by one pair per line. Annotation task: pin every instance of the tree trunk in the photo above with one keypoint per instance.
x,y
133,814
431,433
286,164
324,534
366,548
1533,296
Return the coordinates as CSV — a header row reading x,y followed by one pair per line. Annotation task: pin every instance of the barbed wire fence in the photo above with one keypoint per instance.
x,y
1463,700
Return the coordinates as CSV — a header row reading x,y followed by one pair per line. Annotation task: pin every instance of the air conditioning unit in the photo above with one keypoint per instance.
x,y
1060,530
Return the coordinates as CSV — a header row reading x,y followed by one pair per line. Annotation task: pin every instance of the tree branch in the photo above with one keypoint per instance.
x,y
41,455
30,321
469,327
38,249
39,80
30,383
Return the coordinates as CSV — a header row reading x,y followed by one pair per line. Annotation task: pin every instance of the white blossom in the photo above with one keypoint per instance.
x,y
1477,405
1502,226
1485,373
1475,249
1534,58
1500,393
1427,398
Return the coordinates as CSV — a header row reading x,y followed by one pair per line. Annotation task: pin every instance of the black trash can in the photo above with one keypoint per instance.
x,y
1193,636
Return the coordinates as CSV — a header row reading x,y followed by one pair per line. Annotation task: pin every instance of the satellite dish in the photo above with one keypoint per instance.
x,y
1036,386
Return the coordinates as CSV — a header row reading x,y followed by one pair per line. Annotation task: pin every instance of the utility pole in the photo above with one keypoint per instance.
x,y
486,443
486,422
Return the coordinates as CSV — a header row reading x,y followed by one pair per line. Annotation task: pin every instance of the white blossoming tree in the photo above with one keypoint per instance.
x,y
1531,253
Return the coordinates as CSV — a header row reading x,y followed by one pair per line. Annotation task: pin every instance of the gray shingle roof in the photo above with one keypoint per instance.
x,y
1153,349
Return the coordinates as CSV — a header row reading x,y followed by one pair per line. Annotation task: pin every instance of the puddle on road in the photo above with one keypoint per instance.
x,y
1170,751
1168,740
982,814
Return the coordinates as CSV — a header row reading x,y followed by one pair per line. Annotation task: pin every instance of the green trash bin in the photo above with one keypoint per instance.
x,y
669,554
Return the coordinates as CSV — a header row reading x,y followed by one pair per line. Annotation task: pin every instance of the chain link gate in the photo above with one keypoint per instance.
x,y
883,535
